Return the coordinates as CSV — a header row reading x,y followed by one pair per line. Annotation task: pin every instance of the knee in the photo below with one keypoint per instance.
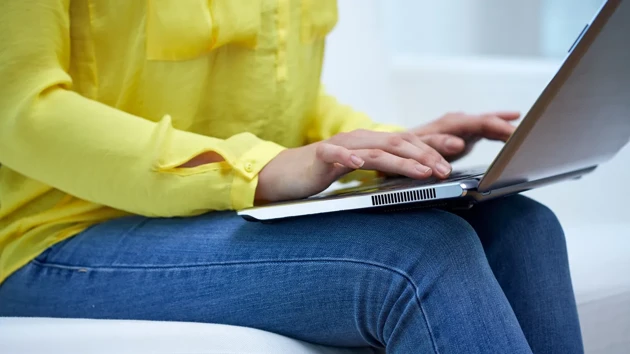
x,y
526,222
532,211
405,258
539,218
544,226
424,240
448,238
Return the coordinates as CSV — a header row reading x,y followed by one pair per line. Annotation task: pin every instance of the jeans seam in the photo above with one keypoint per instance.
x,y
53,250
381,266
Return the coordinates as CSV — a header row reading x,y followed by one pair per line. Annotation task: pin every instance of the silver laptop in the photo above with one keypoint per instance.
x,y
581,120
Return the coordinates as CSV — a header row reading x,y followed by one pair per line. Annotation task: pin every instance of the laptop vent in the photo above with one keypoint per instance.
x,y
404,197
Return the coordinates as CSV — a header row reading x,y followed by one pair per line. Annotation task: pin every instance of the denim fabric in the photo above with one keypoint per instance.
x,y
493,279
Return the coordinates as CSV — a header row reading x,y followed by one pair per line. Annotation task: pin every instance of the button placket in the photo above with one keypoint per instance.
x,y
282,25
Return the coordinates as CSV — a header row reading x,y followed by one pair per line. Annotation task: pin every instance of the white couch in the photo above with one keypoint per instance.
x,y
78,336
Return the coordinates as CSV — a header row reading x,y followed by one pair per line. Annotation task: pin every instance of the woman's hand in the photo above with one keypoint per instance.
x,y
455,134
305,171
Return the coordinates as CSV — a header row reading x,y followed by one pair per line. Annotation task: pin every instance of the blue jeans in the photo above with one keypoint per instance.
x,y
493,279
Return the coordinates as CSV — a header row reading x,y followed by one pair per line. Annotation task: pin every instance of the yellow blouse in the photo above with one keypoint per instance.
x,y
102,100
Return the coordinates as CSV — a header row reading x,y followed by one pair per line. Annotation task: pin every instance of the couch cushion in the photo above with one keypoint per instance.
x,y
68,336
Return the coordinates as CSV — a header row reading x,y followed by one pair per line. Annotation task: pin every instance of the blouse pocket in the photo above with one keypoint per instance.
x,y
319,17
187,29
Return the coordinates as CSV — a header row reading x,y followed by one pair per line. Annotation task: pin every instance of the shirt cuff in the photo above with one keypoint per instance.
x,y
246,169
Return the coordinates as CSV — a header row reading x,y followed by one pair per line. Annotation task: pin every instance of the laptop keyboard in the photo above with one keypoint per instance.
x,y
456,175
401,183
467,173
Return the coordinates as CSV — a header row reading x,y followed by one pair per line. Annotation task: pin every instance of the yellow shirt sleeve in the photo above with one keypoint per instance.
x,y
332,117
100,154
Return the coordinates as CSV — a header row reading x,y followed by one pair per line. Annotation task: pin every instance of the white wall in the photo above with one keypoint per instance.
x,y
484,27
357,61
472,27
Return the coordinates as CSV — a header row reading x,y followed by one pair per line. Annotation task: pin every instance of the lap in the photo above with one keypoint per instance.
x,y
224,238
292,277
219,268
404,242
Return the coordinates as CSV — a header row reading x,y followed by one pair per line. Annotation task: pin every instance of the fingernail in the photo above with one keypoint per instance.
x,y
423,169
443,168
357,161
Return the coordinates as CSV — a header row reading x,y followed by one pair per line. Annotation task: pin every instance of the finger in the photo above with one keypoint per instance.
x,y
445,144
487,126
506,115
404,145
383,161
335,154
431,157
495,128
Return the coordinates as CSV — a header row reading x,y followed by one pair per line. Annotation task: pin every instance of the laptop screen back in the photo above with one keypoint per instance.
x,y
583,117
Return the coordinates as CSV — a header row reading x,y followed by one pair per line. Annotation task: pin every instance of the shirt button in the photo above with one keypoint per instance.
x,y
249,167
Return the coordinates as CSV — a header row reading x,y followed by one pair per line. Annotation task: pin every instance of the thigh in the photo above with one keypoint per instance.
x,y
334,279
293,277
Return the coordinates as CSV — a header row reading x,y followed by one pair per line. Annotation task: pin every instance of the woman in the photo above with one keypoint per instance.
x,y
127,129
